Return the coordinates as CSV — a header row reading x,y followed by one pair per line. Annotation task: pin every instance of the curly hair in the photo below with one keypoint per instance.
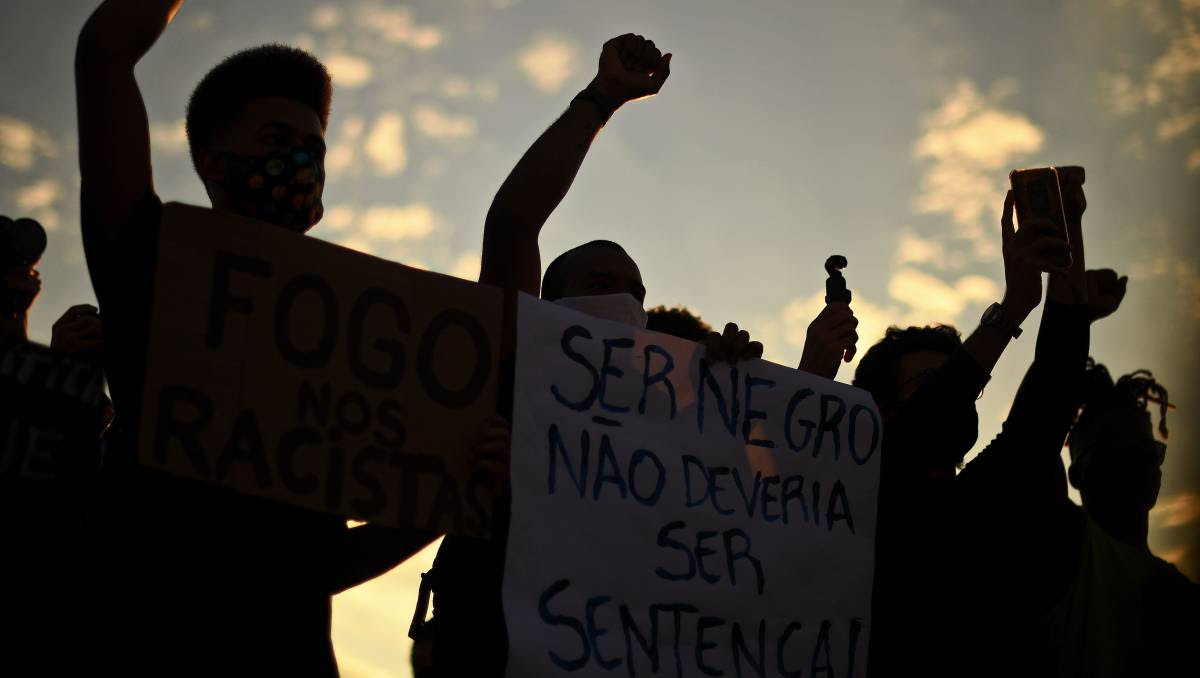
x,y
677,322
876,371
264,71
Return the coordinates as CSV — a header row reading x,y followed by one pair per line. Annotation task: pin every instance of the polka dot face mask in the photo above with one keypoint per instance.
x,y
283,188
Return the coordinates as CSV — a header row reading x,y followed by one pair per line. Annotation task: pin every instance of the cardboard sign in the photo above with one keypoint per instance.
x,y
672,518
52,416
286,367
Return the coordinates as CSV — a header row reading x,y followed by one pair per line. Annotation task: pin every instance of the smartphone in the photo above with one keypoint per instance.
x,y
1037,194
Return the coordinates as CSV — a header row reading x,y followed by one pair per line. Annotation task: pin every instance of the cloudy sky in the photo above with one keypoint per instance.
x,y
788,131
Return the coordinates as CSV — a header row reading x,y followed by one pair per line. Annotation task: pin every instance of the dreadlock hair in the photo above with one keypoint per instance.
x,y
677,322
1134,391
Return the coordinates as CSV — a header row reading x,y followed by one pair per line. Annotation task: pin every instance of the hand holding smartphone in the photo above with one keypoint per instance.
x,y
1037,194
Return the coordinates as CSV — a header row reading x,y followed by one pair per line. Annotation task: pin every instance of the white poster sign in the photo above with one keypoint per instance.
x,y
672,518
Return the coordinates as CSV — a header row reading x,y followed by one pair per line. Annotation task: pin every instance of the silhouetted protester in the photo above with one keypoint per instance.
x,y
51,421
1120,611
598,278
207,580
925,381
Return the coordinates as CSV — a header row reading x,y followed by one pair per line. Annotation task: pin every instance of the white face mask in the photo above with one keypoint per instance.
x,y
621,308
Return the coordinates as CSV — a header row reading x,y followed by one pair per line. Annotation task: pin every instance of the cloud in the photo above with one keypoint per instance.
x,y
21,144
395,25
913,249
338,217
932,300
398,222
325,17
343,152
437,124
967,145
1170,264
466,266
38,196
548,62
1165,87
1177,510
1177,124
384,144
168,137
37,200
1181,61
783,334
348,70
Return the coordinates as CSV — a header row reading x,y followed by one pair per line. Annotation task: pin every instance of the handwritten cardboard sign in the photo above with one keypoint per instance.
x,y
289,368
671,518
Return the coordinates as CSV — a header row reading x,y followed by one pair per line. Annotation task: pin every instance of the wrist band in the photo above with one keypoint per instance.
x,y
604,106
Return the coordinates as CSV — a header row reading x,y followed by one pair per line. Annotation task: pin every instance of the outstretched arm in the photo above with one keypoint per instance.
x,y
1027,254
114,137
631,67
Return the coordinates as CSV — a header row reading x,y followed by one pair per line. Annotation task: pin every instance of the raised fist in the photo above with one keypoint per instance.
x,y
1105,292
631,68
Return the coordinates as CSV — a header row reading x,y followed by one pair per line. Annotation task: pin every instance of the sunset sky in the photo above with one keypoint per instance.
x,y
788,131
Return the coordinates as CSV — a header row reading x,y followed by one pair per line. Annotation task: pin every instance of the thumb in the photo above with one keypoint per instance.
x,y
1007,230
661,73
850,352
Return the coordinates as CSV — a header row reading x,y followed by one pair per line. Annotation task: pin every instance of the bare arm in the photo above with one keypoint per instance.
x,y
630,68
1027,253
370,551
114,137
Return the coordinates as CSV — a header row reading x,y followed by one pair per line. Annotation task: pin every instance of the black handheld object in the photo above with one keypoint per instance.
x,y
22,242
835,284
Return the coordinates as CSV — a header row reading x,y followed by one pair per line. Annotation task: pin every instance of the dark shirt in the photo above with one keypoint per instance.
x,y
958,563
207,580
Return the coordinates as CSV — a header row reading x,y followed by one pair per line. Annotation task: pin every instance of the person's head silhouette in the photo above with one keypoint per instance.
x,y
894,369
256,126
598,278
1116,460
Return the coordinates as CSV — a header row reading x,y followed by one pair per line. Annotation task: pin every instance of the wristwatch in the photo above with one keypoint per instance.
x,y
995,317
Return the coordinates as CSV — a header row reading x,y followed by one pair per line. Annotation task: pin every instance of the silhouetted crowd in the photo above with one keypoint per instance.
x,y
983,568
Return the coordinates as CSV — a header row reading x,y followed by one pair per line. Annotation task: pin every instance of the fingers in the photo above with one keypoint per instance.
x,y
661,73
1007,230
731,345
754,351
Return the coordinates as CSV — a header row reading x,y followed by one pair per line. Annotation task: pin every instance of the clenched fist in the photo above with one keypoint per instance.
x,y
1105,291
631,68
